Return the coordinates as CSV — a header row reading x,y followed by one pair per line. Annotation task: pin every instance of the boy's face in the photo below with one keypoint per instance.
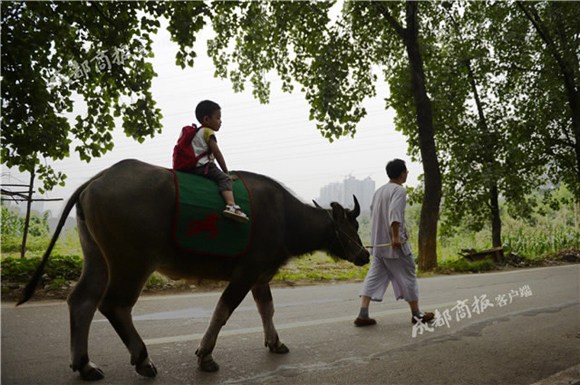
x,y
213,121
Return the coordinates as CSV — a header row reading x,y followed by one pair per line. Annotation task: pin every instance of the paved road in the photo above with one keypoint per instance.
x,y
516,327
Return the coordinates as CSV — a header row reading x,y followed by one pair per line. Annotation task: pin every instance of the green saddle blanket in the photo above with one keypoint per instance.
x,y
200,227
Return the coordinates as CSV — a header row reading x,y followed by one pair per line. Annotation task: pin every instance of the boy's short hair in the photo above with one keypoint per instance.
x,y
395,168
206,108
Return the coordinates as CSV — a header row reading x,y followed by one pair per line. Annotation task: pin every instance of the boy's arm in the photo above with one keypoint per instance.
x,y
215,150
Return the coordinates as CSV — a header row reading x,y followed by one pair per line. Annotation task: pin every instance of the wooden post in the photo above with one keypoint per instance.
x,y
27,220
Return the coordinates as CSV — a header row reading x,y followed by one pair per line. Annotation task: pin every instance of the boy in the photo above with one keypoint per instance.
x,y
206,150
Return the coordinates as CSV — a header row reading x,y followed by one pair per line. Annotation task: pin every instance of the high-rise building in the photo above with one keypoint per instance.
x,y
342,193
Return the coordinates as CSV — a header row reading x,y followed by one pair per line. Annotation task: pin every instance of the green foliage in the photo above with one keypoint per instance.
x,y
549,229
59,267
255,38
54,51
483,68
13,225
534,242
68,243
463,266
39,225
59,272
554,228
156,281
35,246
319,267
18,269
57,283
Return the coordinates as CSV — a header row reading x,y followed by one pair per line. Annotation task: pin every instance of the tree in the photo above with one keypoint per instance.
x,y
54,53
472,120
495,129
334,61
556,82
425,131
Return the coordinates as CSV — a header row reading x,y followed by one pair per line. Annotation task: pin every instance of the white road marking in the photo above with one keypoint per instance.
x,y
291,325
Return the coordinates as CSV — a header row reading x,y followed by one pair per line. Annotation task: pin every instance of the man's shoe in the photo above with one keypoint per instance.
x,y
424,318
359,322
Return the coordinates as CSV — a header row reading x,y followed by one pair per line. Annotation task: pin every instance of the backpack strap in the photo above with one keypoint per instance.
x,y
203,153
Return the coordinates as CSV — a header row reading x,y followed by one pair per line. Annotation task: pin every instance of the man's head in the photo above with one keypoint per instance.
x,y
209,114
396,169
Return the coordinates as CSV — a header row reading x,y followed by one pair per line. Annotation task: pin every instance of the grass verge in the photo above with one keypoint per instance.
x,y
62,272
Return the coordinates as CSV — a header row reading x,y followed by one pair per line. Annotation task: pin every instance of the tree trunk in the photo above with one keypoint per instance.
x,y
495,218
431,170
491,165
27,219
574,100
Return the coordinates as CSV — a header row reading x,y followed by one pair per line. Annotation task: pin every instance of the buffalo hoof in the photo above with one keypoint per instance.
x,y
91,372
207,364
278,348
146,368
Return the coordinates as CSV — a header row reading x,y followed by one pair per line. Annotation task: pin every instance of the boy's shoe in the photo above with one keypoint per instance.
x,y
425,318
360,322
235,213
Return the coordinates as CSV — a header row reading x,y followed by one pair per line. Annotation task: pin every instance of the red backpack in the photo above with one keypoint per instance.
x,y
184,159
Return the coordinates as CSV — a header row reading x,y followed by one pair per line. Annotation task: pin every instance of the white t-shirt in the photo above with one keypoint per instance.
x,y
388,206
200,143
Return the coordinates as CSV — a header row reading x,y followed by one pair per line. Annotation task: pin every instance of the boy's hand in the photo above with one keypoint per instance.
x,y
233,177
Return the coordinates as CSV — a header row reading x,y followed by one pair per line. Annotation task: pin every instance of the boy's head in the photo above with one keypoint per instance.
x,y
395,168
209,114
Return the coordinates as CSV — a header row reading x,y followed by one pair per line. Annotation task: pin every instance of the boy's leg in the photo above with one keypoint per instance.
x,y
225,187
229,197
223,181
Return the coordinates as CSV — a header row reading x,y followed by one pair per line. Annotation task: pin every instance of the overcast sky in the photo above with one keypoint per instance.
x,y
276,139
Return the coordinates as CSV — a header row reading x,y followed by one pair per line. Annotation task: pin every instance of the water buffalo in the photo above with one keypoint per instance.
x,y
125,216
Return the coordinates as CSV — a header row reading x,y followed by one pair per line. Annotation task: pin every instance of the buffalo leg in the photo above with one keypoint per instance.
x,y
83,302
121,296
232,296
263,297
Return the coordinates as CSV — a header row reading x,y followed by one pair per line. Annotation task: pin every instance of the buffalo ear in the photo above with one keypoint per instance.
x,y
316,204
356,211
338,212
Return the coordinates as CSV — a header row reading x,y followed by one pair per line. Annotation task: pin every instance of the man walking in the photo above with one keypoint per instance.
x,y
393,261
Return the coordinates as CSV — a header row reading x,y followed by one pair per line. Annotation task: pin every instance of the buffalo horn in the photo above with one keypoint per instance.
x,y
356,212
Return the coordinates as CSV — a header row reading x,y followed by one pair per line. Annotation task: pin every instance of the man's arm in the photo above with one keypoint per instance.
x,y
395,235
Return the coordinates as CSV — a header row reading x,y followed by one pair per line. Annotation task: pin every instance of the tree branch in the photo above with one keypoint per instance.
x,y
402,32
536,21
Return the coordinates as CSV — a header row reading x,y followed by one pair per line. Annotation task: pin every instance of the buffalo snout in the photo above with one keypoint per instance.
x,y
362,258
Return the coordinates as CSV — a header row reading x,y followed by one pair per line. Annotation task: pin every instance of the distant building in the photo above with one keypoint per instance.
x,y
342,193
